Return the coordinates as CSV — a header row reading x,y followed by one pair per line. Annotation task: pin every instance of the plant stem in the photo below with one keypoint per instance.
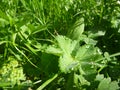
x,y
113,55
47,82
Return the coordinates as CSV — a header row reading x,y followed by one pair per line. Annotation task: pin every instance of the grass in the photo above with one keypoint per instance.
x,y
28,28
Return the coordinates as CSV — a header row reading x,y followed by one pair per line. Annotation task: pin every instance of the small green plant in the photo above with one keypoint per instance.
x,y
11,74
59,44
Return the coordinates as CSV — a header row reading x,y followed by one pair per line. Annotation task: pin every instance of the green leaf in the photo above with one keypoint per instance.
x,y
77,29
107,56
66,44
3,22
71,55
86,52
54,50
4,84
2,42
99,77
106,84
3,16
67,63
47,82
47,63
38,29
114,86
83,51
83,80
80,80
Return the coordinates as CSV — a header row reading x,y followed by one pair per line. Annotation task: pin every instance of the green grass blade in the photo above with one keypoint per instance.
x,y
47,82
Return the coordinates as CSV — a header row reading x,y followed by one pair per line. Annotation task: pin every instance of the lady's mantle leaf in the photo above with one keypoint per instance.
x,y
66,44
66,61
77,29
54,50
107,84
72,55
